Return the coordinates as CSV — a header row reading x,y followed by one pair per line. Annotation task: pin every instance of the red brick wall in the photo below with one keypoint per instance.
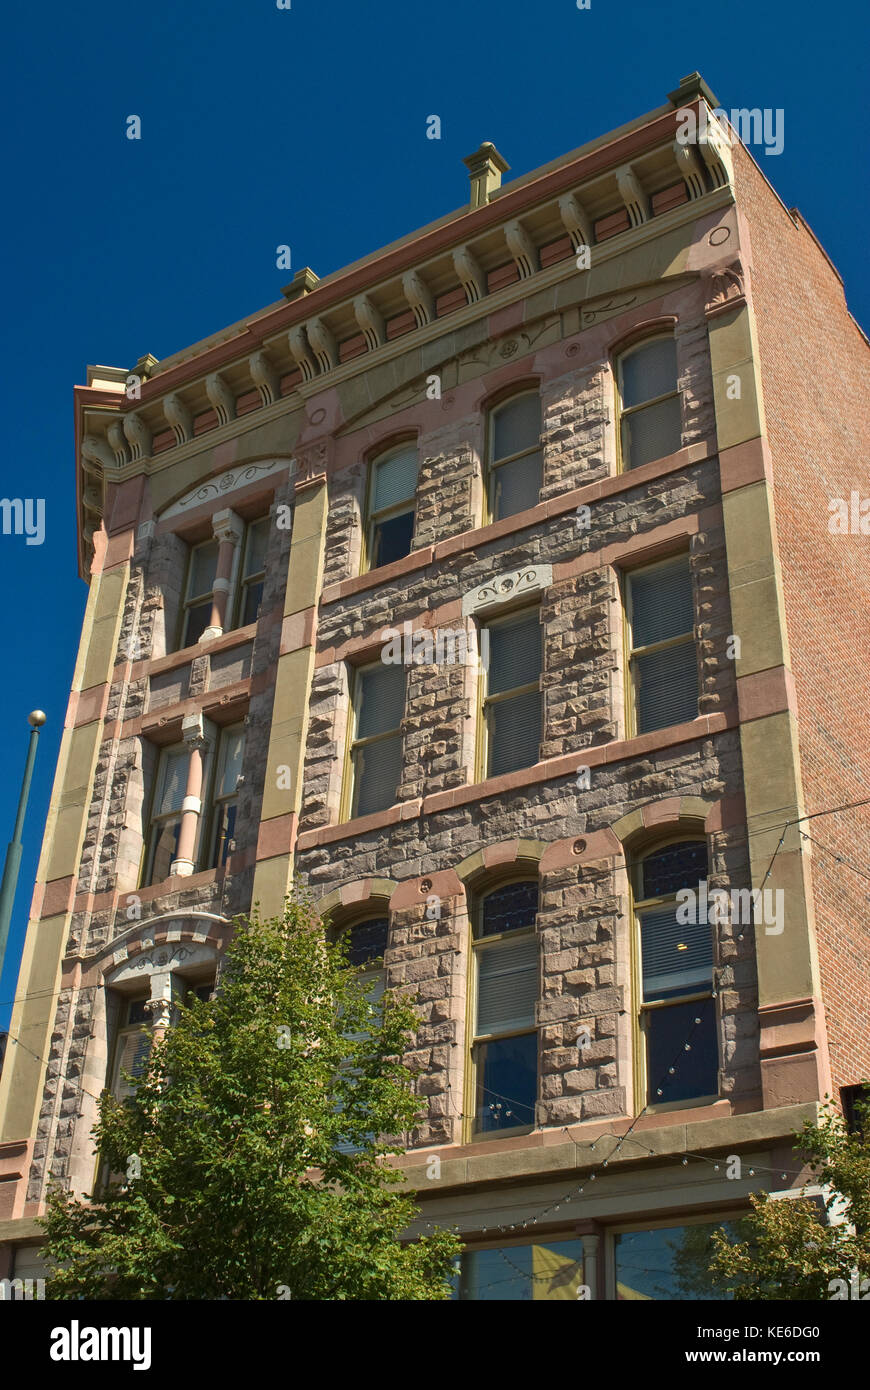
x,y
814,376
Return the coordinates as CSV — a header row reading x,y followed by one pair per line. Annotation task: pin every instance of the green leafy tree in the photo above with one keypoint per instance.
x,y
250,1163
789,1253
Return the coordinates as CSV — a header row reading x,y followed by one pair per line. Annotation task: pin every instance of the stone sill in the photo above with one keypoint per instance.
x,y
620,750
533,1157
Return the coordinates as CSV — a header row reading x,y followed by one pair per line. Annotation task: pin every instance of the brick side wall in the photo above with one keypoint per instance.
x,y
814,376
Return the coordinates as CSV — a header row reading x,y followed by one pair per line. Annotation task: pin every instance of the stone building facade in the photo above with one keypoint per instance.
x,y
253,543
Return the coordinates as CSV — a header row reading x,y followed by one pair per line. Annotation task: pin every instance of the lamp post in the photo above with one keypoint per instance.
x,y
35,719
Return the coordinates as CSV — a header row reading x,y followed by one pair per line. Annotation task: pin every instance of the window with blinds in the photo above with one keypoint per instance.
x,y
231,752
514,457
504,1049
676,976
512,715
650,403
165,822
132,1049
378,702
391,505
663,660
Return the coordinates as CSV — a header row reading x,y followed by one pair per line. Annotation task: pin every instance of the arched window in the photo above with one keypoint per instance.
x,y
514,459
504,1040
650,415
392,488
679,1057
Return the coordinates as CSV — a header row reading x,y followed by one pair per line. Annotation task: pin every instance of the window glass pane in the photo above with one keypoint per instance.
x,y
661,604
224,834
507,1083
131,1057
677,957
368,941
509,908
395,479
516,425
391,539
232,753
649,371
507,985
252,602
198,619
667,687
136,1012
173,783
652,433
695,1072
165,849
675,866
514,733
514,654
523,1272
380,697
377,773
516,486
672,1263
203,566
258,538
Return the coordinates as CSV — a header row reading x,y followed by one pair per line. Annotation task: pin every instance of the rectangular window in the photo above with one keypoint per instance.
x,y
253,571
670,1263
391,505
378,701
165,824
132,1048
504,1053
231,752
663,661
522,1273
199,595
512,701
680,1057
514,458
650,409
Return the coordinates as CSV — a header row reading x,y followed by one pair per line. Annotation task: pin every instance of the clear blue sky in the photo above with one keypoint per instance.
x,y
306,126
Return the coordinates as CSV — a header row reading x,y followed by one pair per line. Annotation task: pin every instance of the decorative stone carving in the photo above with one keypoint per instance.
x,y
265,377
227,482
575,221
301,355
116,438
715,148
221,398
419,297
522,248
138,436
690,168
632,194
725,288
195,730
178,417
322,339
370,320
531,579
312,459
96,450
470,274
227,526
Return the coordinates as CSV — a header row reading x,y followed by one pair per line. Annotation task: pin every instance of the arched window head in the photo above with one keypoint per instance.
x,y
650,414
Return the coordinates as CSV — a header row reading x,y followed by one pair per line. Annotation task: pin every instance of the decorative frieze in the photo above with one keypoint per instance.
x,y
504,588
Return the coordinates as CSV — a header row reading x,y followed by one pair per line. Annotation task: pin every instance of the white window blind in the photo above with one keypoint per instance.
x,y
133,1050
507,986
674,955
395,479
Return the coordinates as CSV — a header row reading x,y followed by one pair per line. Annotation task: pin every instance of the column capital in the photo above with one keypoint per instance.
x,y
196,731
227,526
